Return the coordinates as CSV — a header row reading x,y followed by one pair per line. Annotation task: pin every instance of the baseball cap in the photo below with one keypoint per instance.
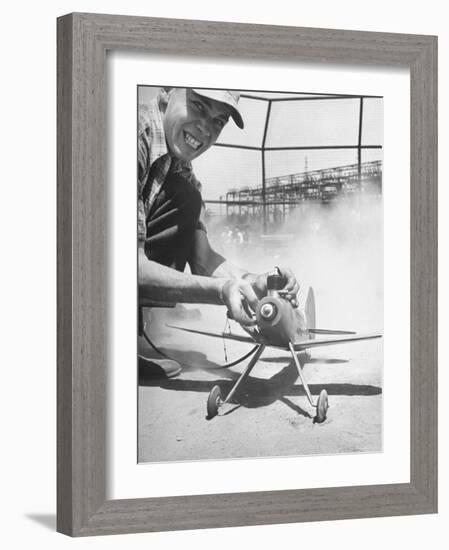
x,y
224,96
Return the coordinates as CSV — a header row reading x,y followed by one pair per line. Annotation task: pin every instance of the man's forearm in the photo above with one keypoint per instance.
x,y
229,270
163,284
206,261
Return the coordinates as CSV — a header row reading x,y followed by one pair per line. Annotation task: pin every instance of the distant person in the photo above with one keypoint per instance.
x,y
238,235
226,235
175,128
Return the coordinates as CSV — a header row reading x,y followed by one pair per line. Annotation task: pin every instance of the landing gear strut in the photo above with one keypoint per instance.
x,y
214,401
322,403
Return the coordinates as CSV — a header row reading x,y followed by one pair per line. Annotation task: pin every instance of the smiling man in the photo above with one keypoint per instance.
x,y
174,129
193,120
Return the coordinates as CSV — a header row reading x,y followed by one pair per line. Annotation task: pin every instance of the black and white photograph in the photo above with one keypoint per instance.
x,y
260,273
240,351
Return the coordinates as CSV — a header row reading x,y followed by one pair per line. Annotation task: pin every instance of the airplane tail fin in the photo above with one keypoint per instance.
x,y
310,310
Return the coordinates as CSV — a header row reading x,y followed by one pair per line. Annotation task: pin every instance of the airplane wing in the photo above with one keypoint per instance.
x,y
329,331
305,344
226,335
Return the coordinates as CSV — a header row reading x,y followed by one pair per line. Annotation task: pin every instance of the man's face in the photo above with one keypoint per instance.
x,y
192,123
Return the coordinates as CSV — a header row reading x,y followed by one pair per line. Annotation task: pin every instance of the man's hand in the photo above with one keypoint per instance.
x,y
291,288
240,300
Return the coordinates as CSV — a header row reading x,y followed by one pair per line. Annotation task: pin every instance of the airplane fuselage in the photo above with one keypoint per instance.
x,y
278,322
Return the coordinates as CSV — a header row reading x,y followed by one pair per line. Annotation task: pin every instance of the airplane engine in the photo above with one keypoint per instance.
x,y
277,320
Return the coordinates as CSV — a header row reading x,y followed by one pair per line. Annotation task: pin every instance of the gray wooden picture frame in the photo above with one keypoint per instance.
x,y
83,40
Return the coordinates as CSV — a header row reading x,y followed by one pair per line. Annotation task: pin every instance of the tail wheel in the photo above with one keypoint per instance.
x,y
213,402
321,407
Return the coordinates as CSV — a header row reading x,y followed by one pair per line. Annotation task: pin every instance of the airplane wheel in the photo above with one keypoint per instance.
x,y
322,406
213,402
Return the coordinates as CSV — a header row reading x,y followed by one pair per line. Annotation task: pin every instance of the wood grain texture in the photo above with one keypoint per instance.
x,y
83,40
64,277
423,273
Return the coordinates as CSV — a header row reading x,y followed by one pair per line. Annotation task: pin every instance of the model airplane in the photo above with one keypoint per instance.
x,y
280,325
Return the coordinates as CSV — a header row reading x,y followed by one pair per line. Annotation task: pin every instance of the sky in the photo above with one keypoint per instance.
x,y
305,123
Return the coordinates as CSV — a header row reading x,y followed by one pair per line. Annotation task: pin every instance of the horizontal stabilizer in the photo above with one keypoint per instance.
x,y
306,344
226,335
329,331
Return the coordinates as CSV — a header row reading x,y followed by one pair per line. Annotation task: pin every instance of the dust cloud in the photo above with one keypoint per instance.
x,y
337,248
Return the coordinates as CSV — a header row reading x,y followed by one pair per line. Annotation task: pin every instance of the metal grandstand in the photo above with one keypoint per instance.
x,y
274,197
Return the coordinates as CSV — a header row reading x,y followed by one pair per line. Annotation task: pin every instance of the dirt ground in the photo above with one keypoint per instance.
x,y
270,414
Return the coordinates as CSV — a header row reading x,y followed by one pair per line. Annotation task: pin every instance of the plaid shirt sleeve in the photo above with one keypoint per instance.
x,y
143,169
